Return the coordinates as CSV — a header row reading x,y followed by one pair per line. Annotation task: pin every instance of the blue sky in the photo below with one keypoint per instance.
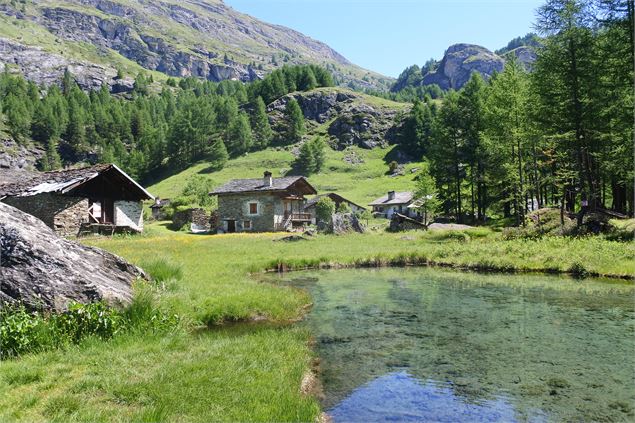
x,y
388,35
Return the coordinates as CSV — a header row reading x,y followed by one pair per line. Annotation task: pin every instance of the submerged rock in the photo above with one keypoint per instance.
x,y
47,272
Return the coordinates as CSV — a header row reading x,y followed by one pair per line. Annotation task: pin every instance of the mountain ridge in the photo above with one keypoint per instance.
x,y
205,39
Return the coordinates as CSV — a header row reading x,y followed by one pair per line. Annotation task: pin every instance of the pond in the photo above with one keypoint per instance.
x,y
435,345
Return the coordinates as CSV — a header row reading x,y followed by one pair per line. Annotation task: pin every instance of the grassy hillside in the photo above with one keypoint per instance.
x,y
360,183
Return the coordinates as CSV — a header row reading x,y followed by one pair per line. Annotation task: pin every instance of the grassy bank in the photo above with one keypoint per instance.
x,y
250,372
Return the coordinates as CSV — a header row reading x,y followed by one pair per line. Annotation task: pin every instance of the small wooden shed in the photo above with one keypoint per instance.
x,y
96,198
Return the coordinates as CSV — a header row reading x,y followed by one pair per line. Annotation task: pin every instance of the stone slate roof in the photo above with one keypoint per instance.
x,y
333,196
400,198
257,185
61,181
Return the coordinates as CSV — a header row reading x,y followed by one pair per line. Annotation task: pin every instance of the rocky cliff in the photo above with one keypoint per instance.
x,y
45,271
348,118
458,63
205,39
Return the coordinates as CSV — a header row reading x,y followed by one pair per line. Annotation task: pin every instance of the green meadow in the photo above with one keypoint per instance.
x,y
236,355
361,182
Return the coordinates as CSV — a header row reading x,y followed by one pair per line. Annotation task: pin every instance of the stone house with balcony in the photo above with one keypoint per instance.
x,y
395,202
264,204
100,198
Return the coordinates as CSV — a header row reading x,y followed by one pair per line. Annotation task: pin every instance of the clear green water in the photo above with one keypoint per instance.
x,y
434,345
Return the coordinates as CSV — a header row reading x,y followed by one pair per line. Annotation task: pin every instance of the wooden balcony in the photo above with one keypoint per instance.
x,y
298,217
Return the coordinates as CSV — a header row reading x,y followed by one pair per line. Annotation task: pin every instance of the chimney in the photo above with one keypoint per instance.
x,y
391,195
267,180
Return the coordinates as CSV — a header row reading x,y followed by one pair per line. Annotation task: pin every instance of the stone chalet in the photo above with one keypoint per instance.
x,y
100,198
394,202
263,205
309,207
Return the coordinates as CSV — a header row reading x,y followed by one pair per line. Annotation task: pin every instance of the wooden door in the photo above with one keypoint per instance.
x,y
107,211
288,208
231,226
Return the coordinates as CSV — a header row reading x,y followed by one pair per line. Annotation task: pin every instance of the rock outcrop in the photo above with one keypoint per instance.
x,y
458,63
46,68
44,271
349,118
14,156
525,55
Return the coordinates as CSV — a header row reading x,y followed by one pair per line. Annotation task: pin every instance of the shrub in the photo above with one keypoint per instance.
x,y
324,209
578,270
23,331
344,208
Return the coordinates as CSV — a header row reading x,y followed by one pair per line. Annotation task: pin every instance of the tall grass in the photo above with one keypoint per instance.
x,y
162,270
24,331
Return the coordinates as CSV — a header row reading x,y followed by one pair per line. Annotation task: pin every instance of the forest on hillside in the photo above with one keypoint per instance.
x,y
185,122
560,135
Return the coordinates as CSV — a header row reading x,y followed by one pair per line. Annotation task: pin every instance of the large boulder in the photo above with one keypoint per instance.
x,y
44,271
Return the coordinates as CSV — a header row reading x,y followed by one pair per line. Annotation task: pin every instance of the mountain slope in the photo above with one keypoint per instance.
x,y
201,38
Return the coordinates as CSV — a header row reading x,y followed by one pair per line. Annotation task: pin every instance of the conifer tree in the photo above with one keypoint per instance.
x,y
239,139
260,124
294,122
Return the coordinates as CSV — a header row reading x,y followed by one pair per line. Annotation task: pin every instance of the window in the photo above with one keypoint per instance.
x,y
247,224
253,208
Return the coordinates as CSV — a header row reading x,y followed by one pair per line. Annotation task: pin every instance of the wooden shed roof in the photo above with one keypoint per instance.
x,y
77,182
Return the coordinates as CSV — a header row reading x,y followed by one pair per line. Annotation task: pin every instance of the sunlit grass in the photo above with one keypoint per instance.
x,y
249,372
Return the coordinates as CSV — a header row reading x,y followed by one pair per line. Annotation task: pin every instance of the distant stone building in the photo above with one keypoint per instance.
x,y
159,208
394,202
100,198
263,205
309,207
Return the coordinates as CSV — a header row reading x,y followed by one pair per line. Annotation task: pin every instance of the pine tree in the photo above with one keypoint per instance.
x,y
507,138
294,122
18,116
447,156
217,154
565,79
305,162
426,193
311,157
472,109
239,136
307,79
51,159
319,153
415,137
260,125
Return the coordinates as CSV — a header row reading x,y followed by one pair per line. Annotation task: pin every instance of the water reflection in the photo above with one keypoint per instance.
x,y
516,347
401,397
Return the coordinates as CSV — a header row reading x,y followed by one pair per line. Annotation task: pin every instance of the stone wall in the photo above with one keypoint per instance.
x,y
236,207
63,214
129,213
196,216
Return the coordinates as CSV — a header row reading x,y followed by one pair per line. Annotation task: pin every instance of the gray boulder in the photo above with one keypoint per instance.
x,y
44,271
